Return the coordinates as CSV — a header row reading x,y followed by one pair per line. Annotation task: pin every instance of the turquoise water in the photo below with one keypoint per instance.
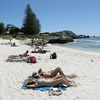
x,y
88,44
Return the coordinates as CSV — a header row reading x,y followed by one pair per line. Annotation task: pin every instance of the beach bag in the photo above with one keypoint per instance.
x,y
55,91
32,59
53,56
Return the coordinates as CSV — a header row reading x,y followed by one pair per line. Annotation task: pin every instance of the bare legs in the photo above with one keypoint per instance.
x,y
52,82
60,80
60,76
56,71
12,56
52,74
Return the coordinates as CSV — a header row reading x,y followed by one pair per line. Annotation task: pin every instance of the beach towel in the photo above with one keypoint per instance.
x,y
43,88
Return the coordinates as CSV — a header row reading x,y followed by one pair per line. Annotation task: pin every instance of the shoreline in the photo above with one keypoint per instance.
x,y
78,50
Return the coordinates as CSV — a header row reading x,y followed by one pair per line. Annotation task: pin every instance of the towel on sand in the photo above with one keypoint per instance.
x,y
43,88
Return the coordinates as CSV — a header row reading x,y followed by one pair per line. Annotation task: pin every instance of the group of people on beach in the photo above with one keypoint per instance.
x,y
40,78
27,58
21,57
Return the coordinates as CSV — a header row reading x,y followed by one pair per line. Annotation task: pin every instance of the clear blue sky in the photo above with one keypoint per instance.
x,y
79,16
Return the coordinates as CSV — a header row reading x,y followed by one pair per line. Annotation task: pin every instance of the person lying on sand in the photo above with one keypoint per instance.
x,y
18,57
40,50
14,58
52,73
38,82
28,59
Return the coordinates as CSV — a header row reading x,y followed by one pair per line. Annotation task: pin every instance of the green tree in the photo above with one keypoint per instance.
x,y
31,25
2,28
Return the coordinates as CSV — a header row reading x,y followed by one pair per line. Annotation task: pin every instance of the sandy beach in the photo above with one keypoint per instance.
x,y
86,65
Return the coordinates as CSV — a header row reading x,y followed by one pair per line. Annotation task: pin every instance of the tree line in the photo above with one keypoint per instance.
x,y
31,25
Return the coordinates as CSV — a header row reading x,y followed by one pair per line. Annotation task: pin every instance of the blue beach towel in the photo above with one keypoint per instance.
x,y
44,88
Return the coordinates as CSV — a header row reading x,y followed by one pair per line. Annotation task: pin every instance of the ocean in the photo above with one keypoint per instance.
x,y
91,44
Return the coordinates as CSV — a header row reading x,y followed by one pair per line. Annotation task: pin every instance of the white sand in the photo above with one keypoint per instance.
x,y
85,65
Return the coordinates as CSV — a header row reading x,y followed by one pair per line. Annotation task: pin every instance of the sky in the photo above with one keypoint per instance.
x,y
79,16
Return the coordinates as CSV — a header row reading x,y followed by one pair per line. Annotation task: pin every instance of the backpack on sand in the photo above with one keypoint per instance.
x,y
32,59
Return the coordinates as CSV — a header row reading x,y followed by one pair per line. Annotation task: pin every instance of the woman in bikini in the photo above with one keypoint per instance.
x,y
50,74
53,73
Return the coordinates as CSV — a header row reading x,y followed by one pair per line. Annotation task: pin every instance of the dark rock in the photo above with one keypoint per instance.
x,y
60,40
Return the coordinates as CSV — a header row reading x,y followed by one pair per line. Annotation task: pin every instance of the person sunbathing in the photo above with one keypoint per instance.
x,y
18,57
57,71
39,51
38,82
14,58
51,73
